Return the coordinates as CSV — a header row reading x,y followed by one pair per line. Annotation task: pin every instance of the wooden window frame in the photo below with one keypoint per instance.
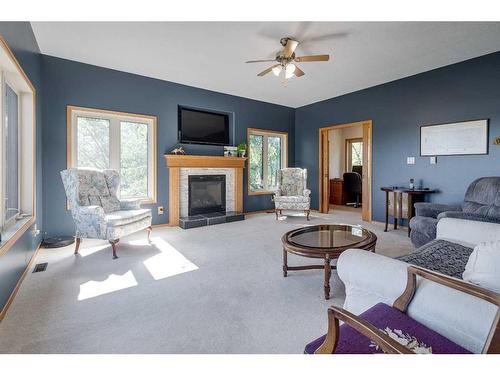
x,y
73,112
11,73
284,155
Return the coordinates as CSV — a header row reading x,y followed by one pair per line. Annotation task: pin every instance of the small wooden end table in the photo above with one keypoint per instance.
x,y
327,242
414,195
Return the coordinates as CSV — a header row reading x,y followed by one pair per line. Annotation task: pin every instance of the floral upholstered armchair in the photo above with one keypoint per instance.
x,y
292,193
97,211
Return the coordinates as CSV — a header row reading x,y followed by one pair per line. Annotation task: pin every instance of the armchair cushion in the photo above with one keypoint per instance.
x,y
292,199
292,181
483,266
432,209
110,204
125,217
130,204
398,326
425,225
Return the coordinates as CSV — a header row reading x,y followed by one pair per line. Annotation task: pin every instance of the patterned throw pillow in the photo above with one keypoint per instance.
x,y
110,204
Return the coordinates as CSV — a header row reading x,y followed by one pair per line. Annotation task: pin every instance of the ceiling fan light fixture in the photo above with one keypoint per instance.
x,y
277,70
289,69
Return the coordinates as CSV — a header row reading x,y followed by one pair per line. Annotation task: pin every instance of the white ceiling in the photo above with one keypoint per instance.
x,y
211,55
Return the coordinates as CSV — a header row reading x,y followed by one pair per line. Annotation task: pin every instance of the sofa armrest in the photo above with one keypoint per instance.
x,y
467,216
307,192
370,278
130,204
467,232
432,209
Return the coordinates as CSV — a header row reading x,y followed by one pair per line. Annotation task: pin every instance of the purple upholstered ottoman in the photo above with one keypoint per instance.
x,y
399,326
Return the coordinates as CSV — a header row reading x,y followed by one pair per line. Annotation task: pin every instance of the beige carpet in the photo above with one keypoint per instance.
x,y
215,289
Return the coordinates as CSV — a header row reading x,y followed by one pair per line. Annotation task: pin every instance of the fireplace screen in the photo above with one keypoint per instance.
x,y
207,194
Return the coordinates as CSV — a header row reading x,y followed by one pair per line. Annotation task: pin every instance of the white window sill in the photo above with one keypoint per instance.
x,y
13,232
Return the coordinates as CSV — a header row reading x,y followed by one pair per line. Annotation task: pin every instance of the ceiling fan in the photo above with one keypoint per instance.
x,y
286,60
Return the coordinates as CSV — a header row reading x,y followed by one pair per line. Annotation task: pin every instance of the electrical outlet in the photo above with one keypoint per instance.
x,y
433,160
410,160
160,210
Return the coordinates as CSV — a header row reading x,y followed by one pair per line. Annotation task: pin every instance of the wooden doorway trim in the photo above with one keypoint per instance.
x,y
323,158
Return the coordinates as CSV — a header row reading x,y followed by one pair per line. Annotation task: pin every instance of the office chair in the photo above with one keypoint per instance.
x,y
357,169
352,186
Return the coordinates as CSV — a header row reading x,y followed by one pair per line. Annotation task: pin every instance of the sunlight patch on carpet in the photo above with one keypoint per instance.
x,y
113,283
169,262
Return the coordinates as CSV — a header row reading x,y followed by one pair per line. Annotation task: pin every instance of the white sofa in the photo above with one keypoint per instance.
x,y
371,278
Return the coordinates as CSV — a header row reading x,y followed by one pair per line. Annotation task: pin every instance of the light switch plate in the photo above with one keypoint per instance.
x,y
433,160
410,160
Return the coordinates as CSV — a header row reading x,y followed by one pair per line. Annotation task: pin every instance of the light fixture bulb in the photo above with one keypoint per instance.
x,y
277,70
290,68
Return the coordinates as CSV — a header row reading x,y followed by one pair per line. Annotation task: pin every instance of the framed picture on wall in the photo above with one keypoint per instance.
x,y
456,138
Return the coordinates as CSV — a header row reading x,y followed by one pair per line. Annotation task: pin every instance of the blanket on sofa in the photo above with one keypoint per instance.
x,y
441,256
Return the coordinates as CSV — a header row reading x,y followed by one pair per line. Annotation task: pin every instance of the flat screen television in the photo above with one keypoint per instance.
x,y
204,128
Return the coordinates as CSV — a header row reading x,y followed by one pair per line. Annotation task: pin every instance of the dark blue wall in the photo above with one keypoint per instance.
x,y
463,91
71,83
21,41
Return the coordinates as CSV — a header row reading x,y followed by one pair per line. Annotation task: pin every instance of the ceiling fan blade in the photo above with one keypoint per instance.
x,y
268,70
298,72
312,58
290,47
256,61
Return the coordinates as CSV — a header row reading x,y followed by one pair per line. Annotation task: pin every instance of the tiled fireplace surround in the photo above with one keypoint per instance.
x,y
183,186
181,166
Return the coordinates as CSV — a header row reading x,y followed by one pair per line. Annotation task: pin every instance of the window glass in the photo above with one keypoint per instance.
x,y
356,153
266,153
273,161
11,131
93,142
256,161
133,159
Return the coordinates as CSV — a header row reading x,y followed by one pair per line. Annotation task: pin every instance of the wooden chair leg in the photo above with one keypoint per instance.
x,y
78,240
149,229
113,246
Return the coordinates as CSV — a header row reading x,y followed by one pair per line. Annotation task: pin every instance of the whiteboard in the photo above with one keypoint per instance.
x,y
459,138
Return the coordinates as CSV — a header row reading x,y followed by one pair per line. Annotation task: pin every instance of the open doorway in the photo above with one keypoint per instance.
x,y
345,165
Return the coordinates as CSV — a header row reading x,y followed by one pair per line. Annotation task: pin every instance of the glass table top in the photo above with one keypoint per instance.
x,y
328,236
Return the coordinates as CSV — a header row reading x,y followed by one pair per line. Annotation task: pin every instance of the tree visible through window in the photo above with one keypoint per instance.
x,y
134,159
110,140
354,153
267,154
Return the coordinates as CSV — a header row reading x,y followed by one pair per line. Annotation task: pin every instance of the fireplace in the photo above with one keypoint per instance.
x,y
207,194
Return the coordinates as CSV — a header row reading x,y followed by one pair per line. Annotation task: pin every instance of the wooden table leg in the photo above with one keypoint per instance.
x,y
410,211
386,210
285,263
400,208
395,209
328,273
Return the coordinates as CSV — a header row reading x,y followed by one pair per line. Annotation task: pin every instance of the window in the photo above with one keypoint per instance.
x,y
17,150
113,140
354,154
267,152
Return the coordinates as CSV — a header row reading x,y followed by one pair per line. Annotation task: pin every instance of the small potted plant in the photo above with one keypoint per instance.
x,y
242,149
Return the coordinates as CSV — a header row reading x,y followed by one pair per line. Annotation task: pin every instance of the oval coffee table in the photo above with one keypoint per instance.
x,y
326,241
